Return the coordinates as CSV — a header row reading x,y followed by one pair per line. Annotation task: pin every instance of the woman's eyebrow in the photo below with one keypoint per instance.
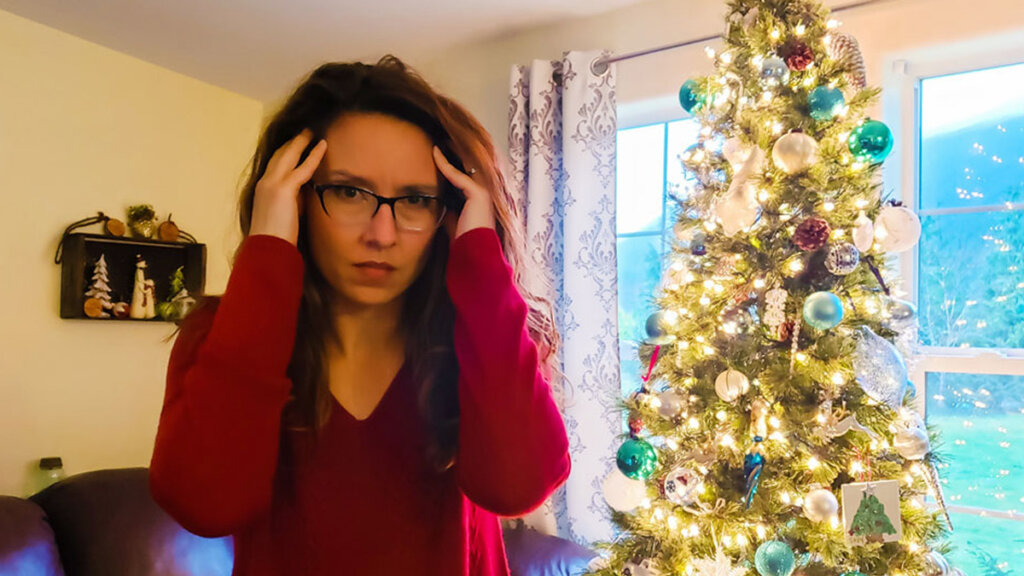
x,y
366,183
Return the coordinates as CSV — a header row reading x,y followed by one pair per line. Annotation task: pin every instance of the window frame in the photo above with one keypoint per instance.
x,y
902,112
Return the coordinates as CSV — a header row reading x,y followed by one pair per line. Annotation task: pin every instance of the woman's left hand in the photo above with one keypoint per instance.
x,y
478,212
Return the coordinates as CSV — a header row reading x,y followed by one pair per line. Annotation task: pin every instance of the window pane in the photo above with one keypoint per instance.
x,y
640,179
972,138
971,280
681,135
981,419
639,262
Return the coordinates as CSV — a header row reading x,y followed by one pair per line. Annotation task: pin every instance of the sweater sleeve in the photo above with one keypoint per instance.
x,y
513,448
217,442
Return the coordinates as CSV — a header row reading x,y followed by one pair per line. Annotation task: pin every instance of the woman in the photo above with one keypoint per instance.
x,y
367,397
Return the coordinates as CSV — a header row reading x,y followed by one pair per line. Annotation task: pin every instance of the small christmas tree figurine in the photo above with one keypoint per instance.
x,y
98,301
179,303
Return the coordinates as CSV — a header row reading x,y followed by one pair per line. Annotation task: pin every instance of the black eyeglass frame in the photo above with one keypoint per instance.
x,y
321,188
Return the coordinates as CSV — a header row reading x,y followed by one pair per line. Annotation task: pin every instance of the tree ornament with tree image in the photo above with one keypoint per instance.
x,y
781,336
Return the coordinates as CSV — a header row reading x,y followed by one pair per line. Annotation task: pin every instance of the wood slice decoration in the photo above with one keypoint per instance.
x,y
114,227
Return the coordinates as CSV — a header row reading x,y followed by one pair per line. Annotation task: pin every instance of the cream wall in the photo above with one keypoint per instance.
x,y
82,129
478,74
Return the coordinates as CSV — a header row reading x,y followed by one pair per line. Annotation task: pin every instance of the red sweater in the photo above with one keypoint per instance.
x,y
365,500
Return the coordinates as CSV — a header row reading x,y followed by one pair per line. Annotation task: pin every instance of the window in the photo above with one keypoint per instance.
x,y
648,174
963,166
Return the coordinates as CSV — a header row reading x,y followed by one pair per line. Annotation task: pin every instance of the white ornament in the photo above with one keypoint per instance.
x,y
897,229
671,403
731,384
820,505
721,565
621,492
912,444
682,486
738,208
795,152
863,233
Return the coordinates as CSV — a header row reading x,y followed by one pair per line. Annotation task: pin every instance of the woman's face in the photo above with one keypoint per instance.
x,y
389,157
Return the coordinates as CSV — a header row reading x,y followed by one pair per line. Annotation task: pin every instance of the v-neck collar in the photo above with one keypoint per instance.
x,y
381,404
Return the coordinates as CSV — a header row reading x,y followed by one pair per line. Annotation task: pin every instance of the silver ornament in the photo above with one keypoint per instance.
x,y
644,567
879,367
902,314
936,564
774,71
842,258
731,384
820,505
795,152
912,444
682,486
671,403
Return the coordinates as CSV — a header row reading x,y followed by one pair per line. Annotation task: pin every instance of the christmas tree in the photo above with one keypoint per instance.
x,y
99,288
772,373
870,520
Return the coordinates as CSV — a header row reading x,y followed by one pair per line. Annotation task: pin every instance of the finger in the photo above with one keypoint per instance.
x,y
459,179
305,171
287,156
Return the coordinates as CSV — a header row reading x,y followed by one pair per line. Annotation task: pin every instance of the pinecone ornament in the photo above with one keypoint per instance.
x,y
843,48
812,234
798,55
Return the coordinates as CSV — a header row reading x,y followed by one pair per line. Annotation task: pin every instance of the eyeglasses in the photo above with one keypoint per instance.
x,y
347,204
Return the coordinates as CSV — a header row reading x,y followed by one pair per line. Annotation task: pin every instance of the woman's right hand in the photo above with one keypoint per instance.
x,y
277,203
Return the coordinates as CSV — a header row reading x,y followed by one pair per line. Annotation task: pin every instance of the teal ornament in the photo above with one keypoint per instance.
x,y
774,558
823,310
690,97
636,459
753,464
657,329
774,71
871,142
826,103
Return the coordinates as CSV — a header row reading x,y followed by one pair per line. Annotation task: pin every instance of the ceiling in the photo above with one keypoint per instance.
x,y
259,48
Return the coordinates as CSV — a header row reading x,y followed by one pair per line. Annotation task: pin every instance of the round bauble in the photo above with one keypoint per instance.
x,y
820,505
795,152
897,229
823,310
636,459
671,403
936,564
912,444
657,329
690,97
871,142
774,558
826,103
774,71
731,384
842,258
682,486
643,567
621,492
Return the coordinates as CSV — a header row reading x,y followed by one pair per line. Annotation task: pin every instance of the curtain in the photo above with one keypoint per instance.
x,y
562,136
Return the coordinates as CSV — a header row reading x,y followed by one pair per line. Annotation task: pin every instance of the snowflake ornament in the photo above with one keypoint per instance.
x,y
721,565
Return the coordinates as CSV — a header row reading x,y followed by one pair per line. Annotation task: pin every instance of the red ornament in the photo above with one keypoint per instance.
x,y
636,425
812,234
798,55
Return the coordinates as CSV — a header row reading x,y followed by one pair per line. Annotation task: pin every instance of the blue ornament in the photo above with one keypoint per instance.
x,y
774,558
826,103
753,464
657,329
774,71
823,310
636,459
871,142
690,97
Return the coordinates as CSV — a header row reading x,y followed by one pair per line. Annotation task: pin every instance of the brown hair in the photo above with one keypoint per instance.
x,y
391,87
